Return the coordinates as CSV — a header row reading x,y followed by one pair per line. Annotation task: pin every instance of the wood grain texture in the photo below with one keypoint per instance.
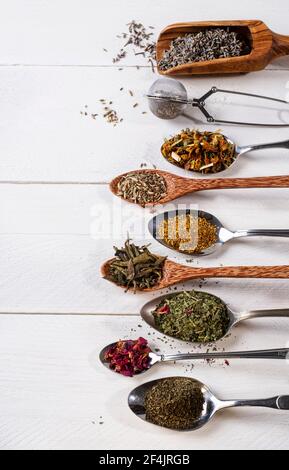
x,y
264,47
280,45
178,186
174,273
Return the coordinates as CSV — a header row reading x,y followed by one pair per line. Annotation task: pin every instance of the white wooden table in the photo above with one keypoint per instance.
x,y
58,223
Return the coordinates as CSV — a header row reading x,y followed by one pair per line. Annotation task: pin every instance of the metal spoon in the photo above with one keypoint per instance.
x,y
234,318
155,358
136,402
237,151
223,234
241,150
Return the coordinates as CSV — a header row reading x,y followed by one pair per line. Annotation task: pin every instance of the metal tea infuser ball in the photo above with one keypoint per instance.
x,y
168,99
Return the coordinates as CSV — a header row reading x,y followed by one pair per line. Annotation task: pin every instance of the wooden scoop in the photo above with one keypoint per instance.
x,y
178,186
174,273
264,46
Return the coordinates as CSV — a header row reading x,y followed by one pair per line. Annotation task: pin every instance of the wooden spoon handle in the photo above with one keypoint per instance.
x,y
182,273
228,183
280,45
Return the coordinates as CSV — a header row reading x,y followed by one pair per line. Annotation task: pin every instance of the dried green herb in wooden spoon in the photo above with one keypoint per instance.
x,y
135,266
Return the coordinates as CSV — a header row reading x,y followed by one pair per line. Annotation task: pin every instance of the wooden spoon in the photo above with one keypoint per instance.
x,y
178,186
174,273
264,45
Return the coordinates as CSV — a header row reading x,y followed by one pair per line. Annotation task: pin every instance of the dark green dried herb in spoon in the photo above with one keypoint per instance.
x,y
192,316
175,403
135,266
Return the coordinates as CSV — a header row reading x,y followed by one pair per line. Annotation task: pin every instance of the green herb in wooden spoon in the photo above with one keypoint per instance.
x,y
135,266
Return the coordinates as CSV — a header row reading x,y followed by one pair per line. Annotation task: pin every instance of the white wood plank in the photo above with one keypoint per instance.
x,y
45,138
54,238
54,393
75,32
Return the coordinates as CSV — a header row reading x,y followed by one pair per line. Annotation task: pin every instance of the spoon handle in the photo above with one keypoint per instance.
x,y
281,402
284,144
262,233
231,183
262,354
179,273
277,312
280,45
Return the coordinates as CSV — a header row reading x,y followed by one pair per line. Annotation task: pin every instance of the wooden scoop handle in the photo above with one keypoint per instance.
x,y
228,183
182,273
280,45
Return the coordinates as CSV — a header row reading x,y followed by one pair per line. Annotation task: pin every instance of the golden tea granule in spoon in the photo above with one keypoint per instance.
x,y
187,233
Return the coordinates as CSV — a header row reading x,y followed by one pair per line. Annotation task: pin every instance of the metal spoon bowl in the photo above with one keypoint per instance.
x,y
223,234
155,222
237,151
136,402
234,318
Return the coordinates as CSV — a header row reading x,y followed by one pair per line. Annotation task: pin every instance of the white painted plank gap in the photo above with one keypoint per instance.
x,y
45,138
54,239
54,393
